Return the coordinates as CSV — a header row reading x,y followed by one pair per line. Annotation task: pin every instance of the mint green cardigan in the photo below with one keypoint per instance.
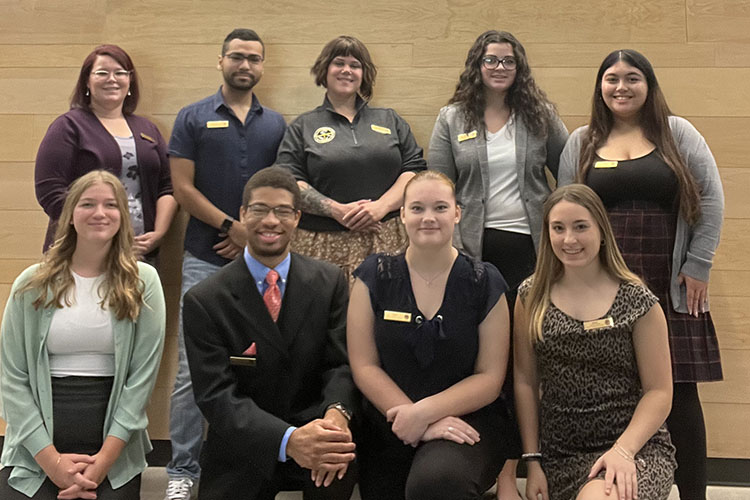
x,y
26,389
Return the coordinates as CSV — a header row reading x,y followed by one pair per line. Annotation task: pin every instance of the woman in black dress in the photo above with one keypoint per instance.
x,y
427,334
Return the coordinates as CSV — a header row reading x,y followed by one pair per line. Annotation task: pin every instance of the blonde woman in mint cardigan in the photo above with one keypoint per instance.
x,y
82,337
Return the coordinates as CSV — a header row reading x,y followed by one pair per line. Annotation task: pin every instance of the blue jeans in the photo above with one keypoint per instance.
x,y
185,419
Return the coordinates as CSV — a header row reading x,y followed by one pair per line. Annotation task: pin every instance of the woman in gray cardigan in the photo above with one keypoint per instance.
x,y
660,184
494,140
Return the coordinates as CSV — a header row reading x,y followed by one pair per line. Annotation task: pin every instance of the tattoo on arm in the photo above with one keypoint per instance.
x,y
313,202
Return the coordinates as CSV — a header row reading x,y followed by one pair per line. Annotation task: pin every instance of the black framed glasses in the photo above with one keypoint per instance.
x,y
260,211
492,62
237,58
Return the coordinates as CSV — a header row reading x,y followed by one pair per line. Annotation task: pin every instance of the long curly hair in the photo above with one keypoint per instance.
x,y
524,97
654,121
122,288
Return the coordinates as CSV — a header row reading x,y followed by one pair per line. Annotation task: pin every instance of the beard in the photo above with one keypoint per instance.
x,y
236,84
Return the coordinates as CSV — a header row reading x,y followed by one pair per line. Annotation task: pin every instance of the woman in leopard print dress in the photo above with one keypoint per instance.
x,y
593,378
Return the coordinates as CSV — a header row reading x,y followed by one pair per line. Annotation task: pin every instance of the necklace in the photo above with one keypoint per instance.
x,y
429,281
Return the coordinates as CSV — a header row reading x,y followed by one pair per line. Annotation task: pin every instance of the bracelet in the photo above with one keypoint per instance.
x,y
623,452
531,457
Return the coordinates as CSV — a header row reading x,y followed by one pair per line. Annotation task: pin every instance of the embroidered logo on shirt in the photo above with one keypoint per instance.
x,y
381,130
324,134
466,137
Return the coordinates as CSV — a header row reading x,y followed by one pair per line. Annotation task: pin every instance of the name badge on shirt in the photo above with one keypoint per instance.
x,y
466,137
380,130
402,317
217,124
324,135
605,164
242,360
148,138
607,322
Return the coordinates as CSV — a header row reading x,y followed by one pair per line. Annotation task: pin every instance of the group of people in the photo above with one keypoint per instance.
x,y
352,313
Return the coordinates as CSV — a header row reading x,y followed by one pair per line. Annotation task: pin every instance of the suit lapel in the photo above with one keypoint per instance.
x,y
522,137
250,305
298,298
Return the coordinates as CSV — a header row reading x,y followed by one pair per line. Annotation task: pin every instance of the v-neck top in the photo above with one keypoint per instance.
x,y
424,357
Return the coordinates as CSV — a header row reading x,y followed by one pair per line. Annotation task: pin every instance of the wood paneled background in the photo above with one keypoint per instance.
x,y
700,49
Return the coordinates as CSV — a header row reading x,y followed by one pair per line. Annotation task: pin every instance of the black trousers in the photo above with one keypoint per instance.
x,y
688,431
79,405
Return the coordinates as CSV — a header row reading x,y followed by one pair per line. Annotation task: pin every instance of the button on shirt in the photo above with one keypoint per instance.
x,y
258,272
226,153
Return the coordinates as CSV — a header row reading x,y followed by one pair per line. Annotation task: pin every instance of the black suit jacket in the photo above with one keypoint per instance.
x,y
301,367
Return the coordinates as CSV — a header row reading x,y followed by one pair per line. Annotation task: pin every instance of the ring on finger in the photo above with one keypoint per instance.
x,y
450,429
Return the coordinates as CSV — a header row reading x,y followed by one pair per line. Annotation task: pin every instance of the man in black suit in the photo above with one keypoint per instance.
x,y
271,379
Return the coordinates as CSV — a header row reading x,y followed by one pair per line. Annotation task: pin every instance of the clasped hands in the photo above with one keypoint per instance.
x,y
361,215
324,446
411,425
78,475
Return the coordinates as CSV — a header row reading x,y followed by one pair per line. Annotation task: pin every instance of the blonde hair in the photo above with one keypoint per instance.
x,y
549,269
122,288
431,175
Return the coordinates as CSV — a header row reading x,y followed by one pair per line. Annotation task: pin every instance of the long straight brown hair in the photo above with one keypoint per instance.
x,y
654,121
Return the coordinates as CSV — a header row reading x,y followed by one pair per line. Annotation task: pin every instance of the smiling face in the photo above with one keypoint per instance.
x,y
624,90
498,80
108,83
242,64
269,234
574,235
96,216
430,213
344,76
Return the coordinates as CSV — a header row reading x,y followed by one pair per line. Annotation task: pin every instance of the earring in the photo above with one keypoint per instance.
x,y
129,92
87,92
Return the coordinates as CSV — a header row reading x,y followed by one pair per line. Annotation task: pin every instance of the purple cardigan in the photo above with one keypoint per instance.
x,y
77,143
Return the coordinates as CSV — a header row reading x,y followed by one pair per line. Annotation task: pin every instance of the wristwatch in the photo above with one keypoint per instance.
x,y
341,409
226,225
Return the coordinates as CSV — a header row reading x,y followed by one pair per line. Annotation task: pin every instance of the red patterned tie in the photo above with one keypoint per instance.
x,y
272,295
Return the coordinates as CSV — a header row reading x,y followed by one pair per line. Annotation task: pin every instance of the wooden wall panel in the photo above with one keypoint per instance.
x,y
700,49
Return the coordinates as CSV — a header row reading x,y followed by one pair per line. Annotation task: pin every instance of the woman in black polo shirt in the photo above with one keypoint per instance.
x,y
351,162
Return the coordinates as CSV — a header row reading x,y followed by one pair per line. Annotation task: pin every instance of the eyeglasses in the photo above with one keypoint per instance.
x,y
492,62
103,74
260,211
237,58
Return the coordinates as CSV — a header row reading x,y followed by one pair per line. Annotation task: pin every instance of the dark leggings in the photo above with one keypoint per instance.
x,y
688,431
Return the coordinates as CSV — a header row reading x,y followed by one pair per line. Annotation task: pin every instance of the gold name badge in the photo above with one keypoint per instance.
x,y
402,317
148,138
242,360
605,164
466,137
217,124
607,322
380,130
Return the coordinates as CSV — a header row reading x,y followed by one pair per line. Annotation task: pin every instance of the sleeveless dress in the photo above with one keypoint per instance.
x,y
590,388
644,221
425,356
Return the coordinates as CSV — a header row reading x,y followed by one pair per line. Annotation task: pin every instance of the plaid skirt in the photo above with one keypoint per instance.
x,y
645,233
347,249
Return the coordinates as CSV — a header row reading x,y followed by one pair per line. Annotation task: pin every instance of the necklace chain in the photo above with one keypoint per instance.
x,y
434,277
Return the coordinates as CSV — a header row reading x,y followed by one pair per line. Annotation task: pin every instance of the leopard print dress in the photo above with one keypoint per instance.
x,y
590,387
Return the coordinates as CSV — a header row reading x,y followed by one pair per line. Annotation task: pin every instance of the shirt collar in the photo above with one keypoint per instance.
x,y
358,105
218,101
259,270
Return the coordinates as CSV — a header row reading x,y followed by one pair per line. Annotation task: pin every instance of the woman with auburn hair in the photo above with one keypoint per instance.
x,y
592,375
351,162
496,139
82,329
667,224
427,334
100,132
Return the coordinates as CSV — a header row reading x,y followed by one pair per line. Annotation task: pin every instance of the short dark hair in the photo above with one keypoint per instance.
x,y
273,177
346,46
245,34
80,99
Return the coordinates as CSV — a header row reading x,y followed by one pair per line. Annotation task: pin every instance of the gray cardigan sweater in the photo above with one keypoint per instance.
x,y
694,246
463,158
